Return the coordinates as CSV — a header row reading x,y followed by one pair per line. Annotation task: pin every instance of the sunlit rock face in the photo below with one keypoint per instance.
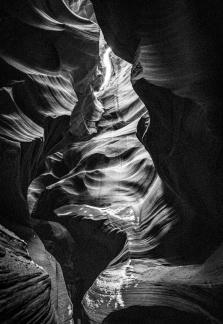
x,y
114,161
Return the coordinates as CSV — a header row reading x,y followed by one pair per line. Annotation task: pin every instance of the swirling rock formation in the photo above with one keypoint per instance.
x,y
111,150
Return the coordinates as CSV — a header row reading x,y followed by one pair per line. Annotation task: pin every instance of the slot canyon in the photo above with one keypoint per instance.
x,y
111,162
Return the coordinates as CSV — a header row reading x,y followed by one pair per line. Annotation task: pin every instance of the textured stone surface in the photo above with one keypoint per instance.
x,y
24,286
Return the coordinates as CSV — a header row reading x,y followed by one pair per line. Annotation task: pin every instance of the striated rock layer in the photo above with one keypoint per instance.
x,y
24,286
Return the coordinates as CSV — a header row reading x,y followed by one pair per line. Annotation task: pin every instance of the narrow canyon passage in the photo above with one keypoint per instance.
x,y
111,162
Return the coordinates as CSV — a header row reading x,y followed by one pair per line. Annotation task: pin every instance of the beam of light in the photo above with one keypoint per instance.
x,y
108,68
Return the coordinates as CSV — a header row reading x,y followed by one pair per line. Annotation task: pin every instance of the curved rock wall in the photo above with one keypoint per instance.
x,y
175,48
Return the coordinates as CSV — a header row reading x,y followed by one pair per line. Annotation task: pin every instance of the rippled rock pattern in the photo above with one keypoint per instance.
x,y
24,286
32,287
111,149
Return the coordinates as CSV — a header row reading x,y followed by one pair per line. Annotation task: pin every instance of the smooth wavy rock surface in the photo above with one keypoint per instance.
x,y
98,169
110,178
55,50
146,283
